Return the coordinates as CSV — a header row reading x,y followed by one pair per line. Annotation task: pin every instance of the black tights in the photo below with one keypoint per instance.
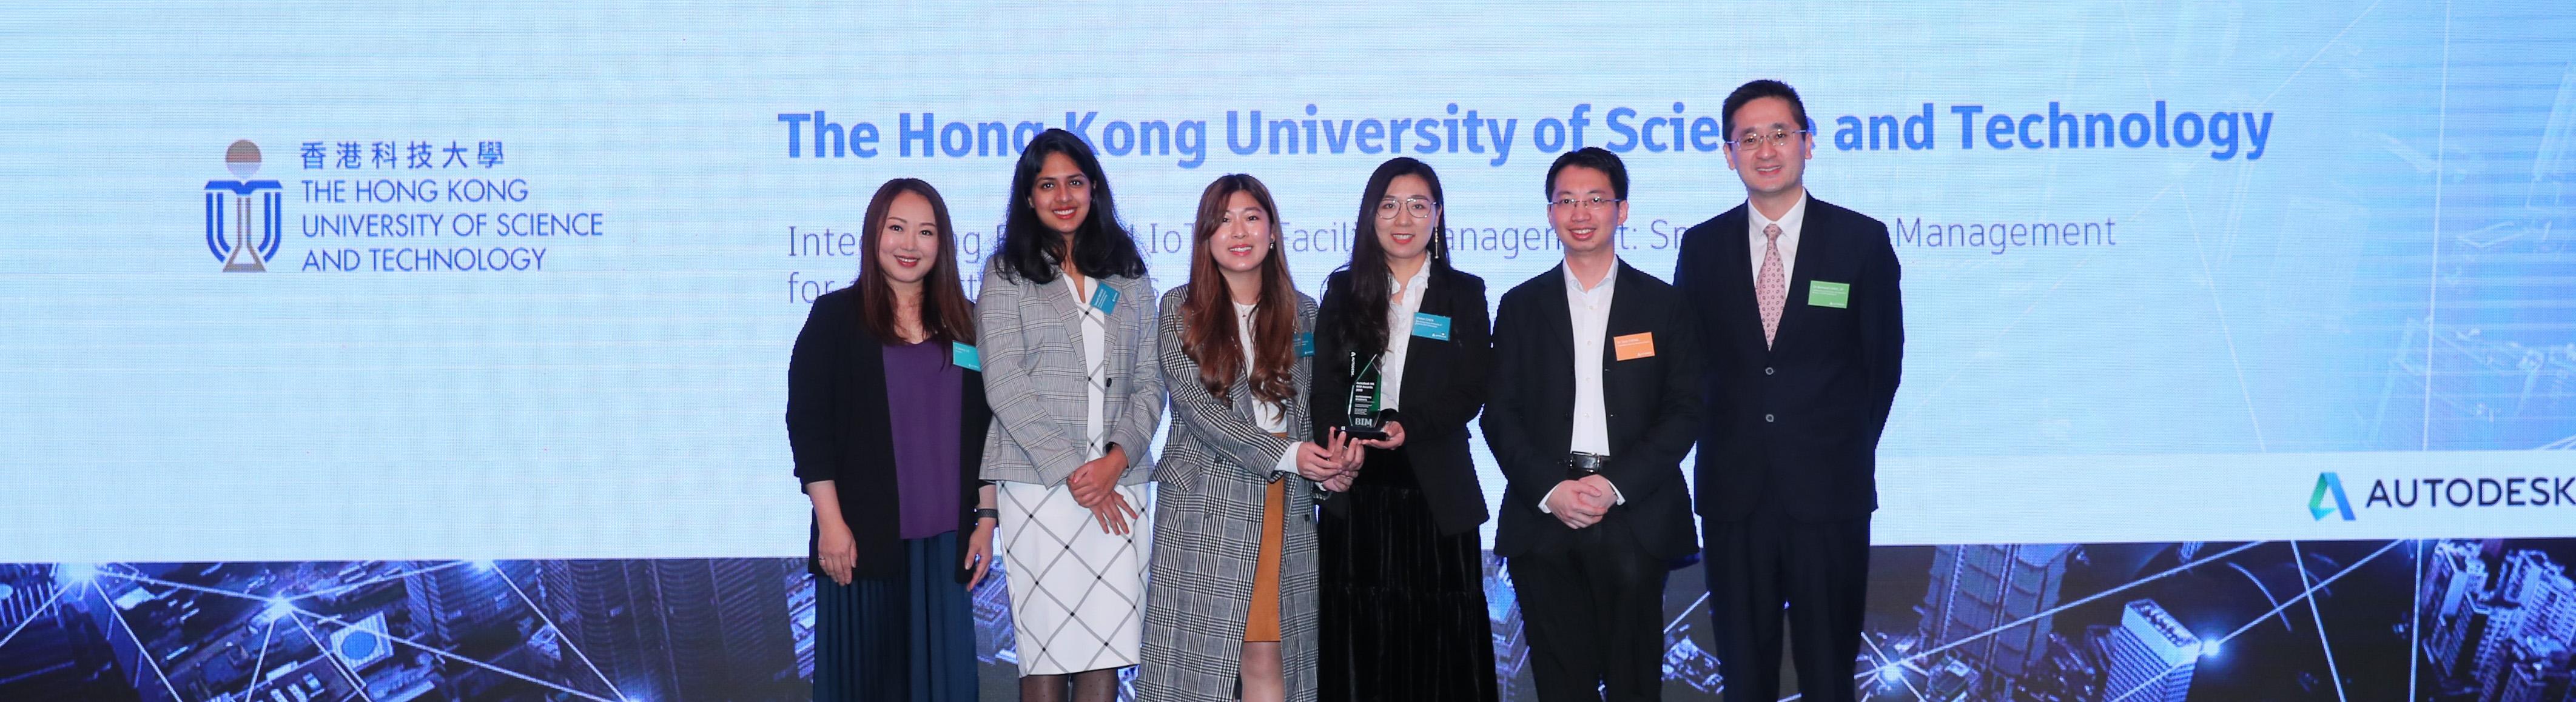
x,y
1087,686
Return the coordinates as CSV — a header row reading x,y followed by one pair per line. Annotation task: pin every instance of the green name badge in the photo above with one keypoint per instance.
x,y
1305,344
965,356
1824,294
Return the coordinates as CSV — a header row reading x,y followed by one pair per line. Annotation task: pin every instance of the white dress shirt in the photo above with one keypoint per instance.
x,y
1590,310
1399,334
1267,415
1790,223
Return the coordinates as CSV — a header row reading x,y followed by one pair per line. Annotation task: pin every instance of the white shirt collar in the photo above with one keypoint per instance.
x,y
1413,286
1789,222
1574,284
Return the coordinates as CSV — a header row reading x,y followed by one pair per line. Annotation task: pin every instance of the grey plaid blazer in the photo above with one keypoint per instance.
x,y
1216,466
1035,380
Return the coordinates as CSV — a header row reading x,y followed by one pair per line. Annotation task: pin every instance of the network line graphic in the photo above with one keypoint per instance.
x,y
606,631
2406,619
2441,620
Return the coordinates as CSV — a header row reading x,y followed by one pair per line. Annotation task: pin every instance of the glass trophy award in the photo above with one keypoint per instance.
x,y
1363,421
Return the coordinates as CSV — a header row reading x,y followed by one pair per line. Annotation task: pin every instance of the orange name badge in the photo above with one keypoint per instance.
x,y
1634,346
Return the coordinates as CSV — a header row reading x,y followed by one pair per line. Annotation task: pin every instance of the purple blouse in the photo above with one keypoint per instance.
x,y
922,390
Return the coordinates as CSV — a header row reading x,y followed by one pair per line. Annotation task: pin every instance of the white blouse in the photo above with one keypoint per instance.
x,y
1265,414
1094,333
1399,335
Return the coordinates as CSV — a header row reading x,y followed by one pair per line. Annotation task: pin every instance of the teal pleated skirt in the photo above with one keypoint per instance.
x,y
909,638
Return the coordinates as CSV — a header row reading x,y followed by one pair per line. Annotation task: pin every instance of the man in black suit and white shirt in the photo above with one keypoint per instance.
x,y
1806,336
1595,402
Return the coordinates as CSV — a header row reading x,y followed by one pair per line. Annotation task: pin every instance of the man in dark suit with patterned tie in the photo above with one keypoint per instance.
x,y
1805,339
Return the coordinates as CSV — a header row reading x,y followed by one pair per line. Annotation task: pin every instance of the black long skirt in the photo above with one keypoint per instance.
x,y
908,638
1403,605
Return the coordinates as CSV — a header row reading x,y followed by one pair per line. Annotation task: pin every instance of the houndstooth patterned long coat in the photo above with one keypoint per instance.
x,y
1214,472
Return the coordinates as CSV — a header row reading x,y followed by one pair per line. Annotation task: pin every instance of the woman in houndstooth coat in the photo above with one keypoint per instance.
x,y
1231,613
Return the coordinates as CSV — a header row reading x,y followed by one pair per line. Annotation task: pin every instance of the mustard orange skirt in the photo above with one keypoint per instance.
x,y
1263,623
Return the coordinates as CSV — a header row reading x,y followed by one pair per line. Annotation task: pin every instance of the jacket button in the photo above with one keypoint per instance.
x,y
1769,418
1766,371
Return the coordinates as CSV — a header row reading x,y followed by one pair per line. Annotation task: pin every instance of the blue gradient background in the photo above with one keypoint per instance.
x,y
2393,275
517,468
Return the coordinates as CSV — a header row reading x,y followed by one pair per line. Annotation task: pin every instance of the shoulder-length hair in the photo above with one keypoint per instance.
x,y
1207,315
945,312
1028,249
1359,318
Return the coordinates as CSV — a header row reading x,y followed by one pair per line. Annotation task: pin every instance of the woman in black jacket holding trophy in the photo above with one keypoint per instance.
x,y
1401,351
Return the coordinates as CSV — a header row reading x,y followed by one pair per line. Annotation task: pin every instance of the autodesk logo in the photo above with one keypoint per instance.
x,y
2329,484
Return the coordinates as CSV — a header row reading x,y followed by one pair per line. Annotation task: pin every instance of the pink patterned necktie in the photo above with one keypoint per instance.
x,y
1770,288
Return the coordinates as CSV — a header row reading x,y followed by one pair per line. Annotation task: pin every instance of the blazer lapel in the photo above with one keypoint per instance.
x,y
1628,315
1060,304
1121,355
1418,349
1301,373
1557,322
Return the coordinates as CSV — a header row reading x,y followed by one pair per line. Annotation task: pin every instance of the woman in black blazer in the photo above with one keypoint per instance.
x,y
1403,601
886,415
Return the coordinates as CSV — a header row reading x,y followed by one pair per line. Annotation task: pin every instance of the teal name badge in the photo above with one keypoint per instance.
x,y
1824,294
1305,344
1431,326
965,356
1105,298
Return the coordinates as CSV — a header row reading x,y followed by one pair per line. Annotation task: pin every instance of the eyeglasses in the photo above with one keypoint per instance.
x,y
1420,208
1754,140
1586,203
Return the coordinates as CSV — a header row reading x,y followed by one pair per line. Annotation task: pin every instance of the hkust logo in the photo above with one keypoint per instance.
x,y
244,217
2329,485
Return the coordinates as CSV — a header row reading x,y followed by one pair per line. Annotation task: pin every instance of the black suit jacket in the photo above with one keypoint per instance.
x,y
1653,406
837,427
1444,388
1796,424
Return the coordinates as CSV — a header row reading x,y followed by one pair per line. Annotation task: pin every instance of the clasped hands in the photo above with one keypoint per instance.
x,y
1582,503
1334,463
1094,486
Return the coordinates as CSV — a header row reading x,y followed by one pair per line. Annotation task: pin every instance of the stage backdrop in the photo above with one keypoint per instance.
x,y
438,351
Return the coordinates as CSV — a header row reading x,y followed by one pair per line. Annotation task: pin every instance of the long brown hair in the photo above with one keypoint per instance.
x,y
1208,334
945,313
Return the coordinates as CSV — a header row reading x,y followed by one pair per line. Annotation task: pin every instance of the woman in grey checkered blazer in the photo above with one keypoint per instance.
x,y
1233,602
1066,317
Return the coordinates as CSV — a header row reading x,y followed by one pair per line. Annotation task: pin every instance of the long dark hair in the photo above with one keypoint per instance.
x,y
1208,335
945,313
1359,320
1101,246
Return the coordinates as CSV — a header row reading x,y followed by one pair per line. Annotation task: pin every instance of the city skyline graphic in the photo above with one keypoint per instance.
x,y
2440,620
